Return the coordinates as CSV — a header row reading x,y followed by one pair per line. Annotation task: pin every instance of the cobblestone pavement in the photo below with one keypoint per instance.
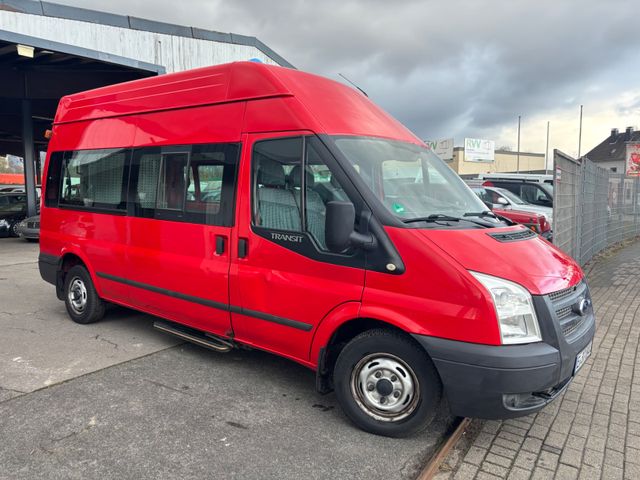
x,y
593,431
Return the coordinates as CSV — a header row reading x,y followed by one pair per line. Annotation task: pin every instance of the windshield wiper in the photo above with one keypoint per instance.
x,y
435,217
440,217
485,213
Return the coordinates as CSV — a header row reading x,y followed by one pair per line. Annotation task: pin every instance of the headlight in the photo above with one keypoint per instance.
x,y
514,307
4,223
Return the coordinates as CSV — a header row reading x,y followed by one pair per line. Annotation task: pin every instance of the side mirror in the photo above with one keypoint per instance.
x,y
338,228
502,201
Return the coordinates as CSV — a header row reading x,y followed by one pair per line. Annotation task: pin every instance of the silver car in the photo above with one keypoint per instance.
x,y
29,229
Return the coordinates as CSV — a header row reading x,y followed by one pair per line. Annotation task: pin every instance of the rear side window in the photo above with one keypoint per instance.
x,y
95,179
192,183
53,179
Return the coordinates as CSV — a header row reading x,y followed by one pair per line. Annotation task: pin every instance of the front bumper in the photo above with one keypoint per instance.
x,y
485,381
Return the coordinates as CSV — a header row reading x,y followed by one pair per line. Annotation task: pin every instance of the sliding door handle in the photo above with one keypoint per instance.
x,y
220,244
243,247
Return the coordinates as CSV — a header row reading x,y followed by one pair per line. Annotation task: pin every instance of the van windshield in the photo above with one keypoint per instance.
x,y
410,180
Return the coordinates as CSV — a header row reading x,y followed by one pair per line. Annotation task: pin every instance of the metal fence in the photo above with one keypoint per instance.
x,y
593,208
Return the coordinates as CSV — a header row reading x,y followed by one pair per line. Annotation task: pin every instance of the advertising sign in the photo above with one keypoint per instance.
x,y
443,148
479,150
633,159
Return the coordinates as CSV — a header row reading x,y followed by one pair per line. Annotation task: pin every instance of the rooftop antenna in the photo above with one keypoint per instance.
x,y
361,90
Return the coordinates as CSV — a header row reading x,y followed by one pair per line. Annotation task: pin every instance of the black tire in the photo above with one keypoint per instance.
x,y
78,285
13,229
369,352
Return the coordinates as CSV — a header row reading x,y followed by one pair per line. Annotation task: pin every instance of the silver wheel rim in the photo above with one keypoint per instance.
x,y
77,295
385,387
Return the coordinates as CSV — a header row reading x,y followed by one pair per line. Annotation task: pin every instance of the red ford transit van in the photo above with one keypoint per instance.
x,y
247,204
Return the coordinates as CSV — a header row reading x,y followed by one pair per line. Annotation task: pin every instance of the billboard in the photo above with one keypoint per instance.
x,y
443,148
633,159
479,150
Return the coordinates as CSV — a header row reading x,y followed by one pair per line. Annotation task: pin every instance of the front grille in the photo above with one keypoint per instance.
x,y
560,294
33,224
563,312
562,303
523,234
572,326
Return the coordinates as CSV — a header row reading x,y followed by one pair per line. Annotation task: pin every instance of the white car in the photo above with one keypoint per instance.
x,y
506,198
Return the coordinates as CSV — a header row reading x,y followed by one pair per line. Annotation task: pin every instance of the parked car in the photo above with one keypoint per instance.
x,y
534,193
29,228
13,208
12,189
527,177
335,238
507,200
537,222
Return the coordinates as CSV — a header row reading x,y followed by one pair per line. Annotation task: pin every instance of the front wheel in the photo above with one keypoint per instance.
x,y
80,296
386,384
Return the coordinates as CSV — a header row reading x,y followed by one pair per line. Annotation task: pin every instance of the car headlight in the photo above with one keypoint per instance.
x,y
514,308
4,223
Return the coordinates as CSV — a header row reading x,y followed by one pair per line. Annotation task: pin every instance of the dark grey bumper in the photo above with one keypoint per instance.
x,y
48,266
486,381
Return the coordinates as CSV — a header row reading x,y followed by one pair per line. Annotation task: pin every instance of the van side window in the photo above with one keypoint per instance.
x,y
187,183
95,179
172,181
282,198
52,193
275,205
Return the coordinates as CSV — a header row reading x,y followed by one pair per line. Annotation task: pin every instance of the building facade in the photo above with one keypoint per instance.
x,y
504,162
619,152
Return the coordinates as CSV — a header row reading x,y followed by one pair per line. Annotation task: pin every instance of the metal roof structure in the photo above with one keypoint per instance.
x,y
48,9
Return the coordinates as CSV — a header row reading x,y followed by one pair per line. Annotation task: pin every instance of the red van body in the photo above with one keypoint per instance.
x,y
218,267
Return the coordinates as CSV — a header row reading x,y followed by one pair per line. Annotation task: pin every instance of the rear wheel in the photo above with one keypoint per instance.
x,y
80,297
13,229
386,384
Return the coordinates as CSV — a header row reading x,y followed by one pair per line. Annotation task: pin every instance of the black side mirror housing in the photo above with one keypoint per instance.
x,y
339,230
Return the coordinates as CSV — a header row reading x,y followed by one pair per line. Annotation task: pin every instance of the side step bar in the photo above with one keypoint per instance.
x,y
198,337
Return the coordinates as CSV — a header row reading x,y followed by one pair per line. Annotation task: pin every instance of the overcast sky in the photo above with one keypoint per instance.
x,y
451,68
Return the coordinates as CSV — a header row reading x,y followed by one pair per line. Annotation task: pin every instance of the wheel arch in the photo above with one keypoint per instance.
x,y
69,259
329,342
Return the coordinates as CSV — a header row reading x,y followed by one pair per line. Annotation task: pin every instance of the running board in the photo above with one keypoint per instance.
x,y
198,337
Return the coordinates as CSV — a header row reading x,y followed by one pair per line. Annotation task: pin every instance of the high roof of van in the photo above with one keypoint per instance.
x,y
336,108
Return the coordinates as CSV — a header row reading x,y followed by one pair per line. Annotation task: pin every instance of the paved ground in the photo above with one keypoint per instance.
x,y
118,399
593,432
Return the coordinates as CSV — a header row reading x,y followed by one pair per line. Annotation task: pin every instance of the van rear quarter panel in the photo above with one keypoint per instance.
x,y
97,238
434,296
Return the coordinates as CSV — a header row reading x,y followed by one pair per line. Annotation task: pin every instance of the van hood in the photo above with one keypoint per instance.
x,y
533,263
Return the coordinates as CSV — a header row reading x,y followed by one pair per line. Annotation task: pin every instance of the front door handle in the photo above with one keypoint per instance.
x,y
220,241
243,247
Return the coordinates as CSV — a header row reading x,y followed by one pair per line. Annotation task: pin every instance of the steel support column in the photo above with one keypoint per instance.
x,y
29,157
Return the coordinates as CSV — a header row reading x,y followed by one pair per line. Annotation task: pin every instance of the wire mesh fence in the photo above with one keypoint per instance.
x,y
593,209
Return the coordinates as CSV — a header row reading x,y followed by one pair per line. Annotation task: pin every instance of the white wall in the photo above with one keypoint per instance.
x,y
173,52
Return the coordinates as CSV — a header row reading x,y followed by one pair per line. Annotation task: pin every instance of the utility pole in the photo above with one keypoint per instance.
x,y
546,152
518,153
580,134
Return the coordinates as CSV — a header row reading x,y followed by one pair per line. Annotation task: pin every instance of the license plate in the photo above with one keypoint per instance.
x,y
581,358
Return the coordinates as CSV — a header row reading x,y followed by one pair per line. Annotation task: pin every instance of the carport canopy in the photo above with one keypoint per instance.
x,y
34,75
